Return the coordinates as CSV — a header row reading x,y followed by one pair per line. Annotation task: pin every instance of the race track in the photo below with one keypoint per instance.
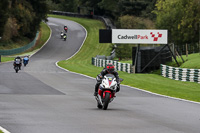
x,y
43,98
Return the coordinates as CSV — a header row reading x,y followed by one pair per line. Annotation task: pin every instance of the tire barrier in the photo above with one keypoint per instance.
x,y
182,74
146,54
125,67
21,49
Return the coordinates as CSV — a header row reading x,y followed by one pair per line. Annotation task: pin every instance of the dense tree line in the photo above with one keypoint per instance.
x,y
181,18
3,15
21,18
110,8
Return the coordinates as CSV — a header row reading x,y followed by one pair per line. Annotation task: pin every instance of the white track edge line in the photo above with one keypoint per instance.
x,y
122,84
4,130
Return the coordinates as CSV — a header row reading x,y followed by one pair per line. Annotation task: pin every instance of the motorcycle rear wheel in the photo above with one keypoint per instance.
x,y
106,101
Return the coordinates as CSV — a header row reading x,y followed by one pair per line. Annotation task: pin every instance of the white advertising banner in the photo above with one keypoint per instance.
x,y
137,36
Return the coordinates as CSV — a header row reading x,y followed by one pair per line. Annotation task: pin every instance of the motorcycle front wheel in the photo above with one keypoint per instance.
x,y
106,101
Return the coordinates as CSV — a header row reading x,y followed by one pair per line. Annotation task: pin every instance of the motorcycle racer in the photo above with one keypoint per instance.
x,y
110,69
61,34
65,28
17,62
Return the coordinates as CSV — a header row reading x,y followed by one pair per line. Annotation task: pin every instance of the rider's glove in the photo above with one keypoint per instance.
x,y
100,76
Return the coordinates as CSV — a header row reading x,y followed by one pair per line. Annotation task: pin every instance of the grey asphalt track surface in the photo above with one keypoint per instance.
x,y
43,98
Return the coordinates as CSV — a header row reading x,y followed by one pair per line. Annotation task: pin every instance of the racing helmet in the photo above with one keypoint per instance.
x,y
110,67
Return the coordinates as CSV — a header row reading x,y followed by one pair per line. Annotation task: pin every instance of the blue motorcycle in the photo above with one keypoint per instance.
x,y
25,60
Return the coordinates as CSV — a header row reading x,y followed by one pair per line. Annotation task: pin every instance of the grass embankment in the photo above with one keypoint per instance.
x,y
43,37
81,63
192,61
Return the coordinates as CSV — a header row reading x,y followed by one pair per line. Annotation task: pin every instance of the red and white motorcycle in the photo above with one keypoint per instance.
x,y
106,91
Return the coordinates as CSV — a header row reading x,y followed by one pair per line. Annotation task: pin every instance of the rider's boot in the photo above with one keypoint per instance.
x,y
96,90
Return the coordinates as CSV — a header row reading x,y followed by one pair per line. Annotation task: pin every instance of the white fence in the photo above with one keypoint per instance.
x,y
126,67
182,74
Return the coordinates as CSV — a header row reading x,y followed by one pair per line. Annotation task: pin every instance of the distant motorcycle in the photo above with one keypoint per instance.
x,y
61,35
106,91
64,37
25,60
17,65
65,28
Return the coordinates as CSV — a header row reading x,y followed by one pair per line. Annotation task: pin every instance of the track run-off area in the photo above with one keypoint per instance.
x,y
43,98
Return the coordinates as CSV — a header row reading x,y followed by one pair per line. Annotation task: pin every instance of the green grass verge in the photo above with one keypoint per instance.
x,y
81,63
192,61
44,35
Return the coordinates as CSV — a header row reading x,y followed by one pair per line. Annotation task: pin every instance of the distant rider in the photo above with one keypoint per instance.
x,y
18,62
65,36
26,59
110,69
65,28
61,34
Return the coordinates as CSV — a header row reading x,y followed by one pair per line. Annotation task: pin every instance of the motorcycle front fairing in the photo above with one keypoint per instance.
x,y
108,85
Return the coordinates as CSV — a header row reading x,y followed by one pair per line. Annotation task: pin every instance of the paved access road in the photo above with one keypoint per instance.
x,y
42,98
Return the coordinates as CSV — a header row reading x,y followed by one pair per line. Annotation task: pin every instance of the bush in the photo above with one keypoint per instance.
x,y
132,22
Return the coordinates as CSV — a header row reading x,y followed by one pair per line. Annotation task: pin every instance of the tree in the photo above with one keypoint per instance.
x,y
110,7
179,17
40,9
133,22
133,7
23,13
22,18
3,15
68,5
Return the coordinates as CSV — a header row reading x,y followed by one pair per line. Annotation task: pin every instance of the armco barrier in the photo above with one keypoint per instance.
x,y
21,49
105,20
182,74
118,65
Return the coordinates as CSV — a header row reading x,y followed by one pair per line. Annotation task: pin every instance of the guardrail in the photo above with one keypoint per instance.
x,y
182,74
21,49
118,65
105,20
